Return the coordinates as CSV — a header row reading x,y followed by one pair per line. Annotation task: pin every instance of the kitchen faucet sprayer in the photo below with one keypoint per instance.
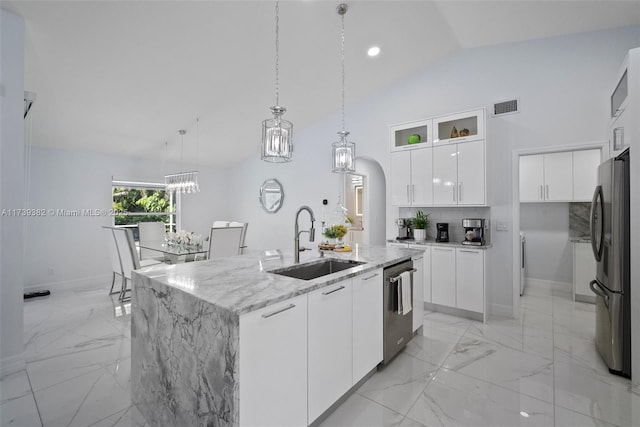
x,y
311,231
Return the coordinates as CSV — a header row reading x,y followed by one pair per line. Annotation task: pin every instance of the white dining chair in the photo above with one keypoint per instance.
x,y
114,256
150,232
220,224
224,241
244,226
129,259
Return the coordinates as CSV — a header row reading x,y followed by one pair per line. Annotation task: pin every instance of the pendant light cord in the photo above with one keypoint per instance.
x,y
343,73
277,53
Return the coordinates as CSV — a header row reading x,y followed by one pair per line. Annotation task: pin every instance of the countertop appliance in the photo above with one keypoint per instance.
x,y
611,245
473,231
398,327
442,232
404,229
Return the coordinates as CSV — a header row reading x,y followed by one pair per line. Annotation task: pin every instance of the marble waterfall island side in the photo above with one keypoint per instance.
x,y
185,330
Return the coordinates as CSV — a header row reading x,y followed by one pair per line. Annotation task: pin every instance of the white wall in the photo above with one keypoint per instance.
x,y
11,191
62,248
562,83
548,253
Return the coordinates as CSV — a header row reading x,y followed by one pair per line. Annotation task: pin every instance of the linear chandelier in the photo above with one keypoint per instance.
x,y
182,182
343,151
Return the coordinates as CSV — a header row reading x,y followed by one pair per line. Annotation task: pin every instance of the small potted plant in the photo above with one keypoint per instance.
x,y
420,224
335,232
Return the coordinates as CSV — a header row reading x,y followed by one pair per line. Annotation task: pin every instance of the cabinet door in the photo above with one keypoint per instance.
x,y
422,177
532,178
418,292
445,175
471,187
584,271
400,178
585,174
426,276
329,346
443,276
367,323
558,176
273,350
470,279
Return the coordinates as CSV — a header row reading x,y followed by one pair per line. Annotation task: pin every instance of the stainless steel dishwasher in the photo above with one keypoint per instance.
x,y
398,329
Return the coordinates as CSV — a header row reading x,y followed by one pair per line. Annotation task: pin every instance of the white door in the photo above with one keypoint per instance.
x,y
422,177
585,174
470,279
329,346
445,175
367,323
401,178
558,176
532,178
273,351
443,276
471,186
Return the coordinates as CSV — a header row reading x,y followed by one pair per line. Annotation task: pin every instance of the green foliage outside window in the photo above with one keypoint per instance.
x,y
133,200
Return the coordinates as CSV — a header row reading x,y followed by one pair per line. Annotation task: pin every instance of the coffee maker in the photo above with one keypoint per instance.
x,y
442,232
473,231
404,229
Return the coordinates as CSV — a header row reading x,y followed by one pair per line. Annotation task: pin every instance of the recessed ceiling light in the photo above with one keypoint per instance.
x,y
524,414
373,51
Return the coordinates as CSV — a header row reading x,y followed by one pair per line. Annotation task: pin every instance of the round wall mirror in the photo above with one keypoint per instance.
x,y
271,195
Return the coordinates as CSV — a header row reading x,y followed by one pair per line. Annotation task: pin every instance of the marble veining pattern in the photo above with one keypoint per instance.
x,y
79,368
579,214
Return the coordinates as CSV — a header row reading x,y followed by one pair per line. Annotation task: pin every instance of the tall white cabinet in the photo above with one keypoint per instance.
x,y
411,172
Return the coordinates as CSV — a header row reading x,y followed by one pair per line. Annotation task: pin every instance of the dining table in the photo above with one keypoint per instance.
x,y
174,254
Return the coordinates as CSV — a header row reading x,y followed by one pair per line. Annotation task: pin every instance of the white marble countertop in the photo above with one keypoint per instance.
x,y
580,239
238,285
432,242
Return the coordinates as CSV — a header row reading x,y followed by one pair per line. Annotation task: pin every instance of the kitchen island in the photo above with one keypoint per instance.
x,y
196,326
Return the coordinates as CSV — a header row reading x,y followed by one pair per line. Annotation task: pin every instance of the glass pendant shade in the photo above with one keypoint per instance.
x,y
277,133
183,182
344,154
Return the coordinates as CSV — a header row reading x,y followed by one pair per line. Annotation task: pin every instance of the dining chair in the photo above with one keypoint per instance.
x,y
150,232
219,224
244,226
225,241
129,259
114,256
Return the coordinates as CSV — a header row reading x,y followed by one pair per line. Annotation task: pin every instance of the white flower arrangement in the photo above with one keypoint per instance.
x,y
184,238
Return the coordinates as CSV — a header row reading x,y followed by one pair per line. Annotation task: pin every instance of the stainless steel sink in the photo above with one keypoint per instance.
x,y
315,269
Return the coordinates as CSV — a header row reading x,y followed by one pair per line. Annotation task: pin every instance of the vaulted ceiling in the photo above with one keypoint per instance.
x,y
123,76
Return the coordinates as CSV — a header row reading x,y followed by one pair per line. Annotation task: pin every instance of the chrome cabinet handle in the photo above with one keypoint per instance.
x,y
273,313
333,290
408,196
441,249
547,191
471,252
413,192
455,199
371,277
460,191
541,193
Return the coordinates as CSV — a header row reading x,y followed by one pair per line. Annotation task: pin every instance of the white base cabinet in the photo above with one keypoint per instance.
x,y
443,276
329,341
273,343
470,279
367,323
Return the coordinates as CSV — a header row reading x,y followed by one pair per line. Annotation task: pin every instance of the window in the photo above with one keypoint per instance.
x,y
143,202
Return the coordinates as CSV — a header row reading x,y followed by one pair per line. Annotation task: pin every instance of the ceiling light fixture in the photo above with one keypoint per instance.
x,y
373,51
182,182
277,133
344,152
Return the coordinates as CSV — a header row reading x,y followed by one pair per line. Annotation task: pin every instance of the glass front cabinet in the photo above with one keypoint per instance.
x,y
460,127
408,136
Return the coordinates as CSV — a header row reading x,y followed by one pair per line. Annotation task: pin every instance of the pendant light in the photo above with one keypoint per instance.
x,y
343,151
182,182
277,133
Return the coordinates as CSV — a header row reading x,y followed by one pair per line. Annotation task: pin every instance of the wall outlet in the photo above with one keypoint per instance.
x,y
502,225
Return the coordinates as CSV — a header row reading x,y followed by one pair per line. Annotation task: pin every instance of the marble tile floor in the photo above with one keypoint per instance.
x,y
541,369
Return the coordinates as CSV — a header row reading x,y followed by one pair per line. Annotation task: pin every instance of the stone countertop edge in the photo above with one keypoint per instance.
x,y
237,285
580,239
447,244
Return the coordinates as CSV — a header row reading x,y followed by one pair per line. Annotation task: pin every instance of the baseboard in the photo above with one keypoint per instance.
x,y
548,285
101,280
12,364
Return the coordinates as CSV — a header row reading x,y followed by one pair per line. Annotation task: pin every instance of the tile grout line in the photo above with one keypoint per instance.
x,y
35,401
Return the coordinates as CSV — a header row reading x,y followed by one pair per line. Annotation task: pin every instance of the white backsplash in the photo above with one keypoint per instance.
x,y
452,216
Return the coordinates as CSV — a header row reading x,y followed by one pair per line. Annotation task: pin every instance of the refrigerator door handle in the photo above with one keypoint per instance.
x,y
596,240
596,289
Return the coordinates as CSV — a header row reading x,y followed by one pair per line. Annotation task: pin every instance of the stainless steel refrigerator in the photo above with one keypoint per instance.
x,y
610,242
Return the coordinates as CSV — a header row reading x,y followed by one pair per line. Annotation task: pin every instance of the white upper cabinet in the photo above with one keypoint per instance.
x,y
546,177
410,135
411,175
460,127
459,174
585,174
